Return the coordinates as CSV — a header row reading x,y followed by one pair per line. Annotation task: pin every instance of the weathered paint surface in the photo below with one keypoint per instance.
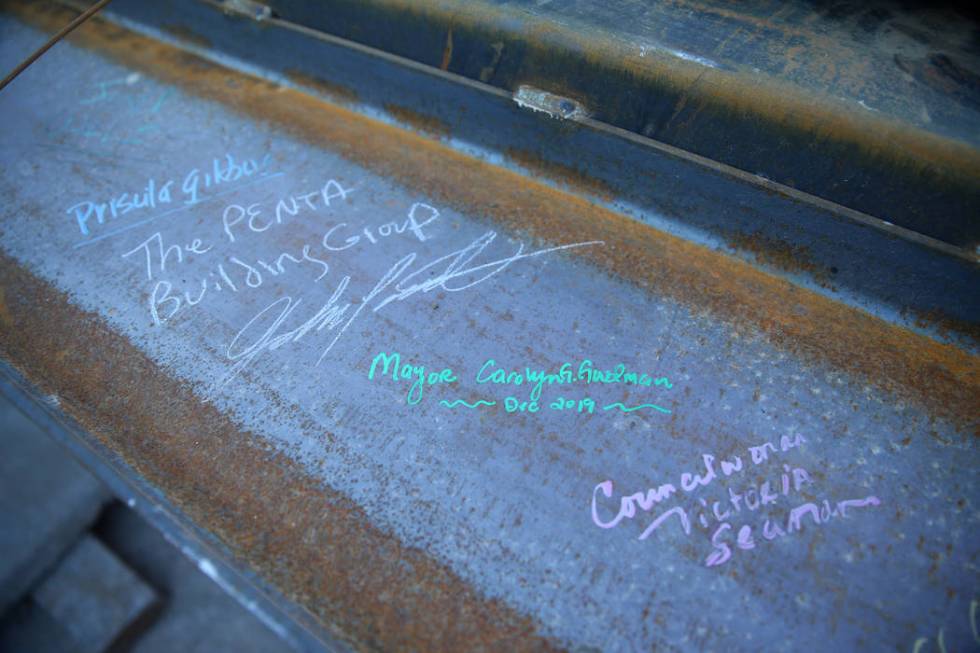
x,y
418,526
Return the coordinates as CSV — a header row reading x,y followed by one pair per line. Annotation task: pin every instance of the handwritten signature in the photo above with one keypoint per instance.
x,y
453,272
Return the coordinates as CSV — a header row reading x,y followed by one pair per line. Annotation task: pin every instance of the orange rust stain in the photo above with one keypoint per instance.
x,y
447,52
786,105
779,254
947,326
563,174
6,320
942,378
417,121
182,33
339,93
314,544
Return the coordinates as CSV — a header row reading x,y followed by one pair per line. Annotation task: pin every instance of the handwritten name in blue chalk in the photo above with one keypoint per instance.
x,y
228,173
420,377
385,364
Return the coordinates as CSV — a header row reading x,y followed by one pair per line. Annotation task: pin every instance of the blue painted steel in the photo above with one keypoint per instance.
x,y
849,257
505,499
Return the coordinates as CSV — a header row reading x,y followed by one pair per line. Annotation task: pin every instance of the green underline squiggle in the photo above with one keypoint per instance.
x,y
630,410
457,402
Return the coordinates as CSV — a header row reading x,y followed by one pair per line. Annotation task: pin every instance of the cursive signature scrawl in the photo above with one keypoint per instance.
x,y
454,272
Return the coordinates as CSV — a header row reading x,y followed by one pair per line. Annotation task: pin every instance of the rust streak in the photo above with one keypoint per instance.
x,y
417,121
182,33
447,53
562,174
785,104
942,378
336,92
313,543
779,254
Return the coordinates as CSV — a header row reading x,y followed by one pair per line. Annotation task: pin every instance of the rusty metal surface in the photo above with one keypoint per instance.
x,y
900,275
872,105
427,526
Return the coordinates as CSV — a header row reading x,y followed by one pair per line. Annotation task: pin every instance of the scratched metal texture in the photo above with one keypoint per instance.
x,y
481,510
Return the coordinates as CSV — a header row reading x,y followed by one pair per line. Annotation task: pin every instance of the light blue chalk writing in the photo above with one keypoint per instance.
x,y
140,223
630,410
490,372
392,364
458,402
